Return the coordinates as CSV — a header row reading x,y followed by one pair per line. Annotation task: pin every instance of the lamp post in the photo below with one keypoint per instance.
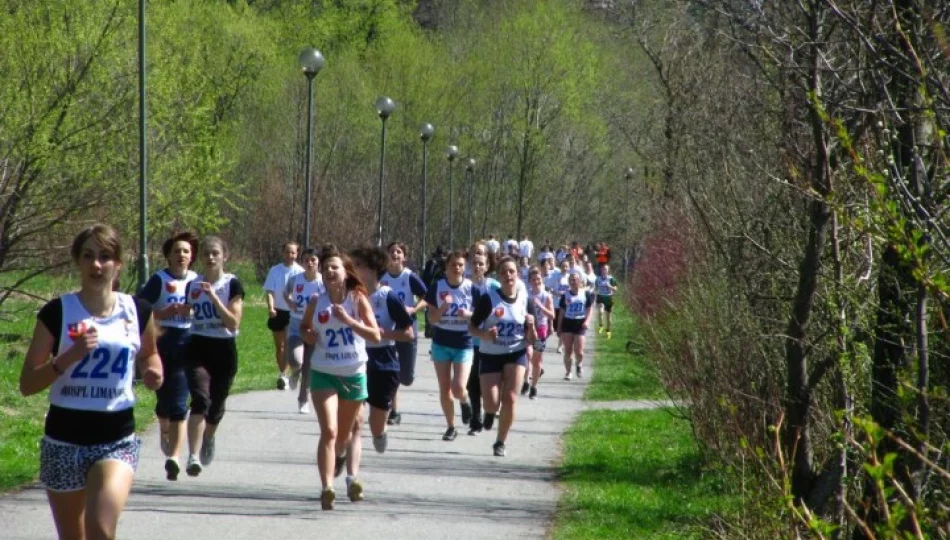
x,y
470,168
451,152
425,133
384,108
311,61
143,163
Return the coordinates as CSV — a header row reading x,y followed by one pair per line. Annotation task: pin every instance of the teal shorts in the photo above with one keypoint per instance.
x,y
350,388
441,353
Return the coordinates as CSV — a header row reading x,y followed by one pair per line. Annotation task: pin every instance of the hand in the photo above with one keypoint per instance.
x,y
272,312
183,310
584,325
492,333
206,287
85,342
153,378
444,308
341,314
308,335
410,309
464,313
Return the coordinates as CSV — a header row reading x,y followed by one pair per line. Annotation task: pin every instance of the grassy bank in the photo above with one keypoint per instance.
x,y
633,474
21,419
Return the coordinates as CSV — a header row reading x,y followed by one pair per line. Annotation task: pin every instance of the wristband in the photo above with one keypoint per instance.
x,y
56,368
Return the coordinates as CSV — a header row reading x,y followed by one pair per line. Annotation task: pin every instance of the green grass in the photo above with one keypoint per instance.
x,y
621,370
21,419
634,474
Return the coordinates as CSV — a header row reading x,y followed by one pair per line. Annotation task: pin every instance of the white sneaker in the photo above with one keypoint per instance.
x,y
304,408
380,443
560,349
567,376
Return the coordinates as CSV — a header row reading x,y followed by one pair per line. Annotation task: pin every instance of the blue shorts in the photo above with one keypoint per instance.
x,y
441,353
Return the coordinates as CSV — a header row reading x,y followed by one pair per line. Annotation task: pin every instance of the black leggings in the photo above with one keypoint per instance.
x,y
212,365
474,388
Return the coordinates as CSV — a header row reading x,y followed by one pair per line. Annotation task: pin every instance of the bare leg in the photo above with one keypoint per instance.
x,y
568,349
443,372
176,435
107,489
325,406
460,379
536,359
69,513
514,376
196,432
280,343
377,421
491,383
579,349
355,452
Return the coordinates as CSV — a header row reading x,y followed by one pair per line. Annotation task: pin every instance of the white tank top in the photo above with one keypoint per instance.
x,y
509,320
339,350
542,297
384,319
576,304
173,292
206,321
102,380
301,290
458,298
400,285
603,286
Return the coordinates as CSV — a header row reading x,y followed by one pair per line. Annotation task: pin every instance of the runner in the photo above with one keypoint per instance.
x,y
81,350
524,266
544,315
301,290
504,322
481,266
451,303
558,284
492,244
606,287
216,299
277,308
165,291
408,287
573,319
339,323
511,247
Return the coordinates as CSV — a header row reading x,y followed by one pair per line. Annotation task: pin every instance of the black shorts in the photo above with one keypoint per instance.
x,y
381,387
606,301
573,326
495,363
279,322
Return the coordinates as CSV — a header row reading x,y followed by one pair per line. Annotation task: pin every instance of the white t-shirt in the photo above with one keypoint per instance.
x,y
493,246
526,248
510,244
276,283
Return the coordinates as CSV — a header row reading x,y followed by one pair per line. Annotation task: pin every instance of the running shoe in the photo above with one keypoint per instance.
x,y
489,421
533,393
474,429
194,466
339,465
354,490
166,447
172,469
499,448
380,443
450,434
294,378
466,412
580,372
560,349
525,386
281,382
394,418
207,451
567,376
303,407
327,498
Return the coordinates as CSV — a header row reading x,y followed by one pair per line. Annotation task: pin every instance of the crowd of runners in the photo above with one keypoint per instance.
x,y
345,331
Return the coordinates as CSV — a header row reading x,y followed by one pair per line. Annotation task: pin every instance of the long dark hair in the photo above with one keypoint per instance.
x,y
352,281
372,257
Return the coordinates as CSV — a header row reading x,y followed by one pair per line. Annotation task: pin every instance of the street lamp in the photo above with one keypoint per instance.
x,y
384,108
470,168
451,152
425,133
311,61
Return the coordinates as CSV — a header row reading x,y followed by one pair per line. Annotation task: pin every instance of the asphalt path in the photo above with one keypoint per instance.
x,y
264,483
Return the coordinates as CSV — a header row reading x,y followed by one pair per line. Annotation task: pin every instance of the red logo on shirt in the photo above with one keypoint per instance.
x,y
499,311
75,330
195,294
323,316
300,287
170,287
445,296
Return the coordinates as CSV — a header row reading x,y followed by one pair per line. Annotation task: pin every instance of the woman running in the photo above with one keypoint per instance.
x,y
301,289
339,323
558,285
481,267
408,286
574,317
165,291
544,315
85,348
504,322
606,287
450,302
382,367
216,299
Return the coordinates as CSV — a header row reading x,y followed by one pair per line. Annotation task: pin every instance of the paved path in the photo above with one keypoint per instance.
x,y
632,404
264,483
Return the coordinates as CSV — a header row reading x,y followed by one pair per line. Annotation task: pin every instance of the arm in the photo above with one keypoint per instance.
x,y
366,327
289,295
38,370
482,311
419,290
230,313
150,365
269,296
307,332
435,315
547,307
399,314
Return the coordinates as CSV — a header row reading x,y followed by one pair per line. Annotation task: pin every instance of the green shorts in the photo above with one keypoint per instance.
x,y
607,301
350,388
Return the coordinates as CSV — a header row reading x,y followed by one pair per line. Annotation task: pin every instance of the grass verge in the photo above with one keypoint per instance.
x,y
621,370
21,419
